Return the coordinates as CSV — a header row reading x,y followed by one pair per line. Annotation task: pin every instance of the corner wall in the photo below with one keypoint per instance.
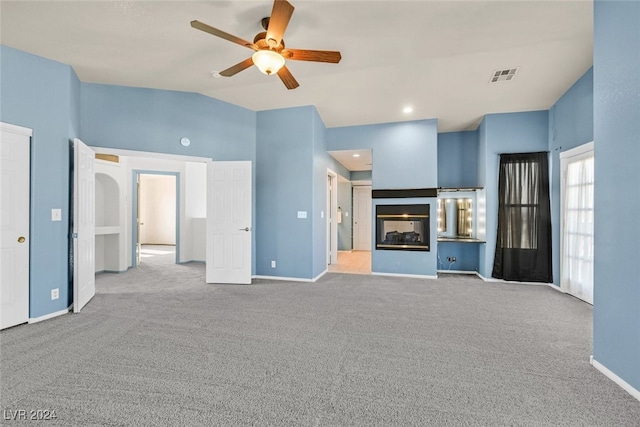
x,y
284,187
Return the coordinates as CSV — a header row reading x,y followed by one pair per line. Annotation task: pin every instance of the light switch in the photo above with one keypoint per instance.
x,y
321,214
302,214
56,214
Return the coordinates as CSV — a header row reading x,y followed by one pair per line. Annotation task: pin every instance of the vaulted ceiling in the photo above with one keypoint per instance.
x,y
436,56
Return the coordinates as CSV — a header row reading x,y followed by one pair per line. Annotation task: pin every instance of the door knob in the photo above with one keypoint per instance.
x,y
21,239
244,229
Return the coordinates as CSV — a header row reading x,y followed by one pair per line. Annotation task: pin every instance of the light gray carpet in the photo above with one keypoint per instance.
x,y
157,346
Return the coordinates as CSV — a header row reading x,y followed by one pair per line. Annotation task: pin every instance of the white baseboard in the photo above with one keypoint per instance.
x,y
414,276
286,279
458,272
291,279
315,279
50,315
513,282
616,379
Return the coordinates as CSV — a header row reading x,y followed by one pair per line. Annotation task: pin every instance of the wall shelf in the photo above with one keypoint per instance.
x,y
459,240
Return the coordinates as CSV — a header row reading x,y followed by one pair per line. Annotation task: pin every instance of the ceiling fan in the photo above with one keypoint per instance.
x,y
270,52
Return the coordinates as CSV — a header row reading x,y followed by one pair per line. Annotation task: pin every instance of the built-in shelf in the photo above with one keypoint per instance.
x,y
101,231
457,189
460,240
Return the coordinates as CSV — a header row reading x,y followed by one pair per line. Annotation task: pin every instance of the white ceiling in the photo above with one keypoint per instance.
x,y
354,160
436,56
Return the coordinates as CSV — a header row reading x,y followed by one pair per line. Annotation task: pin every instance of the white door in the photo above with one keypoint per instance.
x,y
362,218
84,226
229,222
14,225
576,229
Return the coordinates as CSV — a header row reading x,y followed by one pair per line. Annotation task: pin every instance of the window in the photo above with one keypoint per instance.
x,y
523,244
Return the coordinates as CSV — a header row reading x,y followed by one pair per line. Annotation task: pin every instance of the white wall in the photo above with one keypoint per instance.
x,y
157,209
196,208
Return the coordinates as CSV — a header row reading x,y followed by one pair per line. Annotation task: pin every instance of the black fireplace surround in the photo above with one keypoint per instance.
x,y
402,227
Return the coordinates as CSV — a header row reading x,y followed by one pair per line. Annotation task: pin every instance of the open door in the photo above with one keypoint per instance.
x,y
14,213
84,276
228,255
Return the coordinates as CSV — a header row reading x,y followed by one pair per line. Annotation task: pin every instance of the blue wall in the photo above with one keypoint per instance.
x,y
361,175
284,187
466,255
616,309
405,155
42,95
505,133
345,202
570,125
458,159
289,141
155,120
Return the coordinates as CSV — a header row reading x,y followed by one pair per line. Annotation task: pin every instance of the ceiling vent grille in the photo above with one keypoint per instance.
x,y
503,75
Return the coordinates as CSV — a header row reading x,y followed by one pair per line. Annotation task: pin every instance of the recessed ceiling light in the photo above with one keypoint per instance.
x,y
356,155
407,110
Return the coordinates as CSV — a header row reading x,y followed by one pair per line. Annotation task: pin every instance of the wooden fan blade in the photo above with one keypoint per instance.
x,y
312,55
219,33
237,68
278,21
287,78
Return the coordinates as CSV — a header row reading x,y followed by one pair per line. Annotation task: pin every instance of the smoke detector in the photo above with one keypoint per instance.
x,y
503,75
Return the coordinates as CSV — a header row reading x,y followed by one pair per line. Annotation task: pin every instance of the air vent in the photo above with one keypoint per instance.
x,y
503,75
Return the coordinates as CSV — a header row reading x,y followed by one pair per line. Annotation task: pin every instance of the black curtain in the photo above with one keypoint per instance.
x,y
523,246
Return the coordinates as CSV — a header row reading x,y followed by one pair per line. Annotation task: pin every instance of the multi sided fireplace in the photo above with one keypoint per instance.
x,y
402,227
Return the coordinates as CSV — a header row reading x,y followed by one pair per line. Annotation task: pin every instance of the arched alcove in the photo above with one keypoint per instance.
x,y
107,201
108,227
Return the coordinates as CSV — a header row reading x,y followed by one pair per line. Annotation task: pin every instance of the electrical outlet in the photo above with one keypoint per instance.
x,y
451,259
55,293
273,264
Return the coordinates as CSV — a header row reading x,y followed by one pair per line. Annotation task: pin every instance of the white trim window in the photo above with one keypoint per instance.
x,y
576,268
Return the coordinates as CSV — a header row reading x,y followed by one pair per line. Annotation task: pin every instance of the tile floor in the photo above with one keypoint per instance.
x,y
355,262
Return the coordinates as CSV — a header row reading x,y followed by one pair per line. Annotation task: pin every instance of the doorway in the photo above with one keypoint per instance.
x,y
332,220
156,211
577,226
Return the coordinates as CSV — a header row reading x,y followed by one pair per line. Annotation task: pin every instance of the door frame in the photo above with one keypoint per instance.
x,y
584,150
332,215
135,208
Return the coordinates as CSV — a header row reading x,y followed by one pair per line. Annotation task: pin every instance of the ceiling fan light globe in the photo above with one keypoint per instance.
x,y
268,61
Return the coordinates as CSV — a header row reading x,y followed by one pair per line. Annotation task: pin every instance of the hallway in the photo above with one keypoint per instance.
x,y
352,262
